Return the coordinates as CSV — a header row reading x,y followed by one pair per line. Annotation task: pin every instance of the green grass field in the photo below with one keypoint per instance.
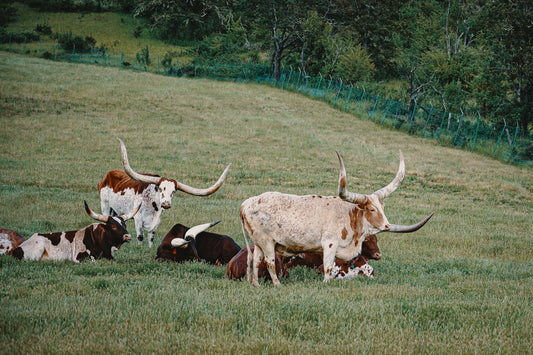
x,y
462,284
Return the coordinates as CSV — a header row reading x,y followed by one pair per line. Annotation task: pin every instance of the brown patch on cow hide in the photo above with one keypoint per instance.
x,y
119,181
81,256
355,221
70,235
330,245
344,233
55,238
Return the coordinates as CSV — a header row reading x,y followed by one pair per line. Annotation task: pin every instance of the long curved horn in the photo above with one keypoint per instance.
x,y
204,192
194,231
179,242
125,217
412,228
134,175
98,217
343,192
387,190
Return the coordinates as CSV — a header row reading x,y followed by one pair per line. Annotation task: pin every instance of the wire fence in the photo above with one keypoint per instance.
x,y
500,140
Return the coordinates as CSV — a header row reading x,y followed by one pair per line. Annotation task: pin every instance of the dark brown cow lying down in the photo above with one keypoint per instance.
x,y
98,240
9,241
183,243
236,268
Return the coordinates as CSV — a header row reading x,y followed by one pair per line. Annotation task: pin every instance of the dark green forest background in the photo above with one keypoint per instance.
x,y
459,55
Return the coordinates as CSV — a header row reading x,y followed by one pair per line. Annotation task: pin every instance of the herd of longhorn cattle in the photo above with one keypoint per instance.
x,y
334,235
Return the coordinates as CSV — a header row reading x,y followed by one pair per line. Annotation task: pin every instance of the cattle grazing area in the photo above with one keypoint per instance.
x,y
461,284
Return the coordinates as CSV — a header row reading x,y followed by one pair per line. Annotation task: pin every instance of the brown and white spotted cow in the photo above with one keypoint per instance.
x,y
121,191
345,270
98,240
236,268
9,240
331,225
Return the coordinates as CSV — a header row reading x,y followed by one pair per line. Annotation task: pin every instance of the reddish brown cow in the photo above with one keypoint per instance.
x,y
183,243
236,268
9,240
369,250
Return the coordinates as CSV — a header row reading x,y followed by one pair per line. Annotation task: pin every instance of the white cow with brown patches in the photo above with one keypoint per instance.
x,y
121,191
331,225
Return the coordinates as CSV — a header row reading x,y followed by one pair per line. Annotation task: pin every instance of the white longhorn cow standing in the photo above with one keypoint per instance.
x,y
121,191
331,225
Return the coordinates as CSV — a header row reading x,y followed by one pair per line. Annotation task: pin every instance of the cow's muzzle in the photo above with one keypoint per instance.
x,y
127,237
165,205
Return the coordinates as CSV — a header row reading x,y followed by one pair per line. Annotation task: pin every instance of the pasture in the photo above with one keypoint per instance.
x,y
461,284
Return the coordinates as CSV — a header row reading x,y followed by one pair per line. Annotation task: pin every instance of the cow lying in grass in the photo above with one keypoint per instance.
x,y
183,243
98,240
9,241
236,268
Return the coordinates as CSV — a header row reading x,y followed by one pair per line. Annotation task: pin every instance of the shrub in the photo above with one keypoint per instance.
x,y
137,31
43,29
70,42
18,37
355,65
143,57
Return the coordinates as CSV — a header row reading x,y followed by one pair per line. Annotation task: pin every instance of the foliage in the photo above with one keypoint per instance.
x,y
173,21
143,57
7,12
18,37
355,65
70,42
43,29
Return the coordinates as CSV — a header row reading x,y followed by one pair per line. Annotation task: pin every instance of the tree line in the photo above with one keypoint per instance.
x,y
471,55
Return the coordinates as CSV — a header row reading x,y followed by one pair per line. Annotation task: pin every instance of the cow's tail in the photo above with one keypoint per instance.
x,y
249,258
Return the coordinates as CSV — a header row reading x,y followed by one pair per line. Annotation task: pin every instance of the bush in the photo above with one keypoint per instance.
x,y
70,42
18,37
355,65
137,31
43,29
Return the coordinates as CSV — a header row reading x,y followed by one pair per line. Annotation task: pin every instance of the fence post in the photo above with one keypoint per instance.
x,y
441,123
327,90
338,93
477,129
458,128
24,48
348,100
499,139
361,100
412,116
386,110
371,113
427,121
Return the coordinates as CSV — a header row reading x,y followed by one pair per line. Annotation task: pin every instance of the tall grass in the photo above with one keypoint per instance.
x,y
462,284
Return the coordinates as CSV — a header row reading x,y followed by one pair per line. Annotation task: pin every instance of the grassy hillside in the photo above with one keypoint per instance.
x,y
462,284
113,31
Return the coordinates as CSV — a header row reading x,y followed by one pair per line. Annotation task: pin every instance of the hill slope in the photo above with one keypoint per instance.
x,y
465,278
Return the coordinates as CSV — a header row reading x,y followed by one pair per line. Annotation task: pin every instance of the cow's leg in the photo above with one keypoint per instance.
x,y
270,260
328,259
258,257
151,236
139,229
249,263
